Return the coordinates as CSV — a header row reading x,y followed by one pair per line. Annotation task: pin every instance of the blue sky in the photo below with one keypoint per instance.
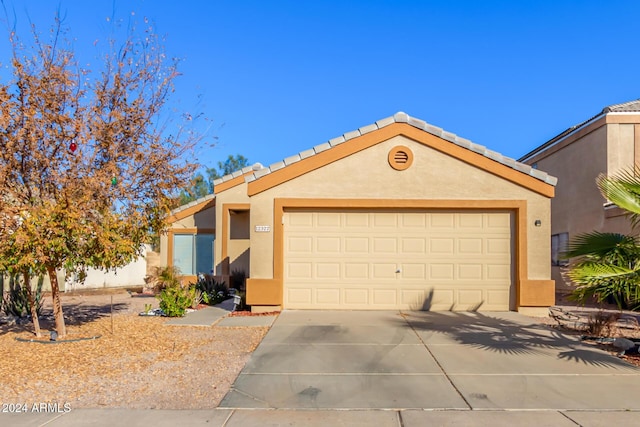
x,y
278,77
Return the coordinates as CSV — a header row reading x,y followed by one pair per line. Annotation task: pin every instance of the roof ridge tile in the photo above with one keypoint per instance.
x,y
401,117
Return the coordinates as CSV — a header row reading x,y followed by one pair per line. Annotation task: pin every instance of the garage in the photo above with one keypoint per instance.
x,y
398,259
398,214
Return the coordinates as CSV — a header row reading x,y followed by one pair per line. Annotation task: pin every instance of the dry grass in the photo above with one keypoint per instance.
x,y
142,364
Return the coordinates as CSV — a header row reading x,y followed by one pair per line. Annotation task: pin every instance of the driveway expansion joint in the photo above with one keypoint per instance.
x,y
464,399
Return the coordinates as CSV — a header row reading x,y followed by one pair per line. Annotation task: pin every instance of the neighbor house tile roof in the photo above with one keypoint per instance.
x,y
625,107
257,171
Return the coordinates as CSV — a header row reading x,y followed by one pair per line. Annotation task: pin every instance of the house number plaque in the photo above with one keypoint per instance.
x,y
263,228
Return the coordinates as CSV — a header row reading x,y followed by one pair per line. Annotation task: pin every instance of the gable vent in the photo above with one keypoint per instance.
x,y
400,157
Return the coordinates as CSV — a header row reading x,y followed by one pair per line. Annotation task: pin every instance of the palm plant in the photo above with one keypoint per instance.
x,y
607,265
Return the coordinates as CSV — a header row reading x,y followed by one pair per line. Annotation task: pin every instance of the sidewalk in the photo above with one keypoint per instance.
x,y
311,418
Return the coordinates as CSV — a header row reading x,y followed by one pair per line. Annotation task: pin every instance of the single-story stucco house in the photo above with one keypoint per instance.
x,y
398,214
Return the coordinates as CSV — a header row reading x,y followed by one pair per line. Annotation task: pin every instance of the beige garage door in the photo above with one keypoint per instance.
x,y
398,260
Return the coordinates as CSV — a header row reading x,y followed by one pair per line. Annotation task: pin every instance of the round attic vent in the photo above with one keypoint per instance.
x,y
400,157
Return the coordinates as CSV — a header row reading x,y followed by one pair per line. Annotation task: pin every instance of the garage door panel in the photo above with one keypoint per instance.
x,y
331,244
498,222
385,245
501,272
355,296
300,270
441,272
470,296
442,221
414,220
413,271
442,298
357,220
470,246
383,271
471,222
358,271
385,220
328,270
470,272
442,246
398,260
498,246
299,296
356,245
382,297
328,219
328,296
412,245
301,244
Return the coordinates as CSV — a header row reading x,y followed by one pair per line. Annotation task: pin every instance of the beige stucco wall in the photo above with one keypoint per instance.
x,y
234,195
433,175
578,205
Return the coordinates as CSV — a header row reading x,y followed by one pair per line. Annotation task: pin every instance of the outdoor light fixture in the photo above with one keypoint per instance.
x,y
537,223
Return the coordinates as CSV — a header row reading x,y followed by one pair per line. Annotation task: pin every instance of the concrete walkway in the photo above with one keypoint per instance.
x,y
319,418
428,360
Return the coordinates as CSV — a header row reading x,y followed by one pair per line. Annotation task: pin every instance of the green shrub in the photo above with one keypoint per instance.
x,y
175,300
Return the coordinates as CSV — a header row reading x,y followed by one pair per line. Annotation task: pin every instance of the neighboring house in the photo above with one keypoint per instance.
x,y
398,214
605,143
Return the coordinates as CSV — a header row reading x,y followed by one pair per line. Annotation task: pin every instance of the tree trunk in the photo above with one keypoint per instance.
x,y
57,305
32,304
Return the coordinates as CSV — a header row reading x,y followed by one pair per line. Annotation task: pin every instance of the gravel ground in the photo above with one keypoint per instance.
x,y
137,362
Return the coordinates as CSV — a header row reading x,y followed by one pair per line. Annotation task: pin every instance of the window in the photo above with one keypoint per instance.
x,y
193,253
559,244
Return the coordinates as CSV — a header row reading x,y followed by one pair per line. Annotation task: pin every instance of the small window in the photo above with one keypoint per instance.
x,y
559,245
193,253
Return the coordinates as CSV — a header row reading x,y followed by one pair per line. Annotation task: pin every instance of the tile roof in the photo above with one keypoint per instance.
x,y
625,107
257,171
193,203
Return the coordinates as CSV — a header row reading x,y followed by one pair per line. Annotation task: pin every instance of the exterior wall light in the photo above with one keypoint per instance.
x,y
537,223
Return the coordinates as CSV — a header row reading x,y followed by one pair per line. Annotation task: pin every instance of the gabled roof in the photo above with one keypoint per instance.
x,y
192,207
252,174
625,107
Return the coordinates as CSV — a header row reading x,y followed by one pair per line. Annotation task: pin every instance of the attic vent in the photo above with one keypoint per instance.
x,y
400,157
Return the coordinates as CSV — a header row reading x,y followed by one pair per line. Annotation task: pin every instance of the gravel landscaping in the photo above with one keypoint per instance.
x,y
136,361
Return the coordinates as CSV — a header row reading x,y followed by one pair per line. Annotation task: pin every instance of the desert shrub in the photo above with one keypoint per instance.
x,y
175,300
600,324
15,301
165,277
213,292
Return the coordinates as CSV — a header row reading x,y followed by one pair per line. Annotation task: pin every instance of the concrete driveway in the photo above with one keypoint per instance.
x,y
428,360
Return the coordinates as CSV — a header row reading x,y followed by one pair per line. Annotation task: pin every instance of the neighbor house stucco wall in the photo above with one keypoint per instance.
x,y
607,146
